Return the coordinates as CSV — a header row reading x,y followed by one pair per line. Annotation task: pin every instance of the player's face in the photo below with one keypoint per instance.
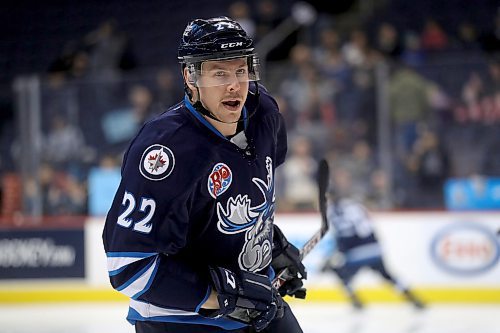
x,y
223,87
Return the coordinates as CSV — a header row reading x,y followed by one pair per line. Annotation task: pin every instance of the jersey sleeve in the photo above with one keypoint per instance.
x,y
148,227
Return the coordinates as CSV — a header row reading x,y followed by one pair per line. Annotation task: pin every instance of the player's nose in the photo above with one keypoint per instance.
x,y
233,84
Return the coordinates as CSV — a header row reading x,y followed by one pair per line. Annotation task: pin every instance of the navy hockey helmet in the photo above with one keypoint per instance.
x,y
216,39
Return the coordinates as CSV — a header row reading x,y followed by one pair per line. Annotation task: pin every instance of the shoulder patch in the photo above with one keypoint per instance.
x,y
157,162
219,180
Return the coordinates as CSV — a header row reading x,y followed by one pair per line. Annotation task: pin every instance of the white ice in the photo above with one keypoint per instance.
x,y
314,318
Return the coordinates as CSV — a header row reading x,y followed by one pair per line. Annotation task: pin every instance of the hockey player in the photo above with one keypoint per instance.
x,y
356,246
190,235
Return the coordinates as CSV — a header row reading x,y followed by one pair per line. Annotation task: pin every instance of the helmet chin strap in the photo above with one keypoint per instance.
x,y
198,106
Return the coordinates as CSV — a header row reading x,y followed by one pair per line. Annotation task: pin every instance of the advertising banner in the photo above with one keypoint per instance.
x,y
28,254
431,249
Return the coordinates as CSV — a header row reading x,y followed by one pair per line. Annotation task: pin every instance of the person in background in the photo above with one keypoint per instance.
x,y
357,247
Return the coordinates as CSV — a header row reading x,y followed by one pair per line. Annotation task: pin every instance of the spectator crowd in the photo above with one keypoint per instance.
x,y
398,110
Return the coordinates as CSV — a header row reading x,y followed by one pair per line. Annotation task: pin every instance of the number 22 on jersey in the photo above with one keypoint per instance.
x,y
147,207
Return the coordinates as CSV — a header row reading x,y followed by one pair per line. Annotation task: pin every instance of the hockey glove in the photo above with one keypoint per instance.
x,y
246,297
287,256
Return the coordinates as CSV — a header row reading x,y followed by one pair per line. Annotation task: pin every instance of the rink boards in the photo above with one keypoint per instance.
x,y
444,256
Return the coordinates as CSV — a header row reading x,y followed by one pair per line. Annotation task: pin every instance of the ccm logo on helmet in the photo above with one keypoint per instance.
x,y
229,45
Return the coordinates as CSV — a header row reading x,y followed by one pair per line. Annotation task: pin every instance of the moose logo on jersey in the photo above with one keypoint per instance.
x,y
219,180
240,216
157,162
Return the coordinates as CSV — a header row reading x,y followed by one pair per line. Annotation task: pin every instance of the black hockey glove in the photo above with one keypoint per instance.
x,y
246,297
287,256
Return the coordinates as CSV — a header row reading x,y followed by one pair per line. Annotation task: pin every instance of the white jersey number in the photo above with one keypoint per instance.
x,y
147,207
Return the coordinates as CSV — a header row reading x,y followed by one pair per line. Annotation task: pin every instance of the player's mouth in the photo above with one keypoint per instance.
x,y
232,104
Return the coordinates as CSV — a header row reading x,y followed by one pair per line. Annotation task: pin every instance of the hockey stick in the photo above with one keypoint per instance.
x,y
323,179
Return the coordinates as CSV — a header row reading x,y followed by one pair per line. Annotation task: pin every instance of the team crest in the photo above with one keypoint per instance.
x,y
256,220
219,180
157,162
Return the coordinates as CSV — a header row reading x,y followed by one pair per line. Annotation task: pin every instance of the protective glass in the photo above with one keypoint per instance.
x,y
221,72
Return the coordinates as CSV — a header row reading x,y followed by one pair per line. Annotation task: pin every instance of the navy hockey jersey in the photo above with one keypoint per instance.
x,y
190,198
352,226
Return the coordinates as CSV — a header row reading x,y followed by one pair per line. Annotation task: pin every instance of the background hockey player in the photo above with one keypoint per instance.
x,y
356,245
189,236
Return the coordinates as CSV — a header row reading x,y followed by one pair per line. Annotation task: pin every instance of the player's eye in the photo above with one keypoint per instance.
x,y
220,74
241,72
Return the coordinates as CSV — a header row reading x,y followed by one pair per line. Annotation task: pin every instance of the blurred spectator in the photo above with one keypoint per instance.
x,y
480,98
409,109
289,116
300,56
327,93
34,198
167,91
64,196
330,61
357,50
490,40
491,157
61,193
354,49
441,104
11,199
433,37
63,62
329,44
309,95
58,98
240,12
64,145
388,41
341,180
109,53
493,80
120,125
109,49
340,141
409,106
429,163
412,54
473,133
266,18
467,36
471,92
299,173
72,62
80,65
379,196
356,101
360,164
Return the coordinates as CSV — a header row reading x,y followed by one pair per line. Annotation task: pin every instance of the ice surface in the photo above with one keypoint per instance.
x,y
314,318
